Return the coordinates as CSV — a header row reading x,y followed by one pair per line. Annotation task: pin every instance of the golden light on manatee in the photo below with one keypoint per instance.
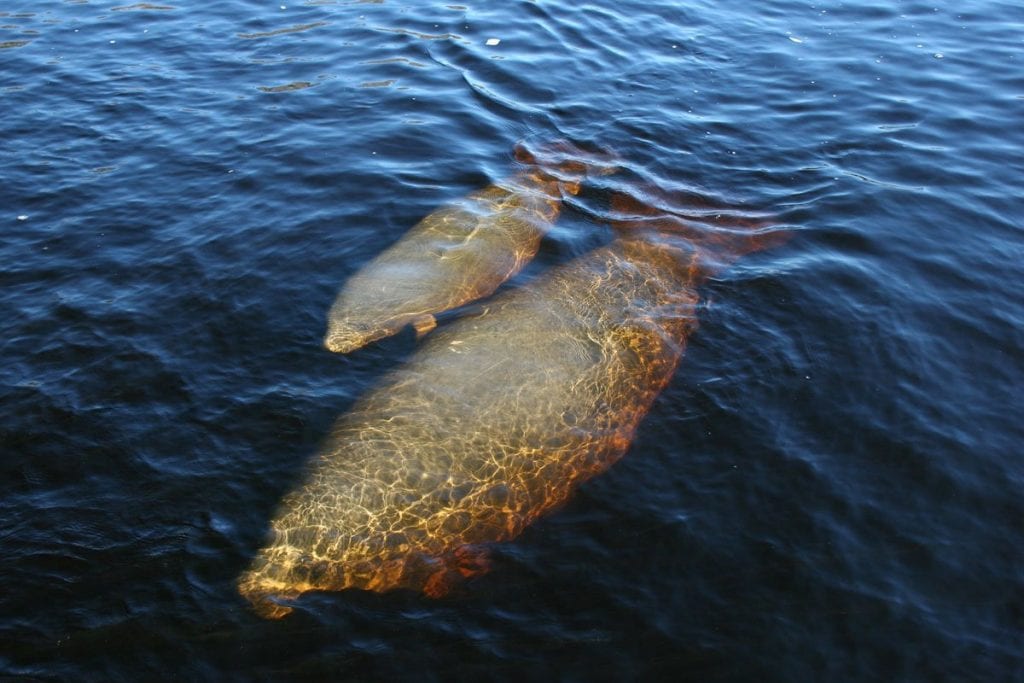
x,y
496,419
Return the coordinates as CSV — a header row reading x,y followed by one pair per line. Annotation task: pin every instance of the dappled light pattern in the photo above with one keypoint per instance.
x,y
492,423
457,254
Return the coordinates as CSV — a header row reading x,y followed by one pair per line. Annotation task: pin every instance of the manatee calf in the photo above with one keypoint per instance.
x,y
494,421
457,254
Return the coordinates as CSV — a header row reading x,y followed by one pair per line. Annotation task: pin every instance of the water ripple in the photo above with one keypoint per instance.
x,y
831,475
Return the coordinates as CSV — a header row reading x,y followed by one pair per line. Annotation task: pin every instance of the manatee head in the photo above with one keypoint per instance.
x,y
268,583
283,570
368,308
294,561
368,529
345,335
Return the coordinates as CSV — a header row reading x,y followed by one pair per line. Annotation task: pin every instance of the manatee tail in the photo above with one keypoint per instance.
x,y
718,232
565,162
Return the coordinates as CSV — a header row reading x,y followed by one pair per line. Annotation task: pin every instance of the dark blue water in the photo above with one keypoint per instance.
x,y
829,490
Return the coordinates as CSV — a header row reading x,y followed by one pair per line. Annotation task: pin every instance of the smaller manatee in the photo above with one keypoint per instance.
x,y
459,253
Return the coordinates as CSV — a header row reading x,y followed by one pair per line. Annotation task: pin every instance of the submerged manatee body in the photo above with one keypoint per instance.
x,y
493,422
459,253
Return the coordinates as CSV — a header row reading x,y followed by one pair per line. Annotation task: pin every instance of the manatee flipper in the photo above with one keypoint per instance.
x,y
466,562
424,324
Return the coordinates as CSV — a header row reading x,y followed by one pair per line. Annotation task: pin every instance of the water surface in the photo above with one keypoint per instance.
x,y
828,490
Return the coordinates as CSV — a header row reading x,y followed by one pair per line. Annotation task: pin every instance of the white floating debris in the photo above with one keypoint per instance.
x,y
493,41
23,217
939,55
796,40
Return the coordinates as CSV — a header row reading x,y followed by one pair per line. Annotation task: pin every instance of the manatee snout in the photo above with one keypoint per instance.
x,y
269,605
341,343
345,336
279,574
267,595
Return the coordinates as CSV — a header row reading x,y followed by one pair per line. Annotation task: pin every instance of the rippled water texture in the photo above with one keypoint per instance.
x,y
828,489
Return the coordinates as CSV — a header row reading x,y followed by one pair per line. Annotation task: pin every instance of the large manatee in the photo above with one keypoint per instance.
x,y
457,254
495,420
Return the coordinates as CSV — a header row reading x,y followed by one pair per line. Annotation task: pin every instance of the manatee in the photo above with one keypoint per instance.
x,y
459,253
495,419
